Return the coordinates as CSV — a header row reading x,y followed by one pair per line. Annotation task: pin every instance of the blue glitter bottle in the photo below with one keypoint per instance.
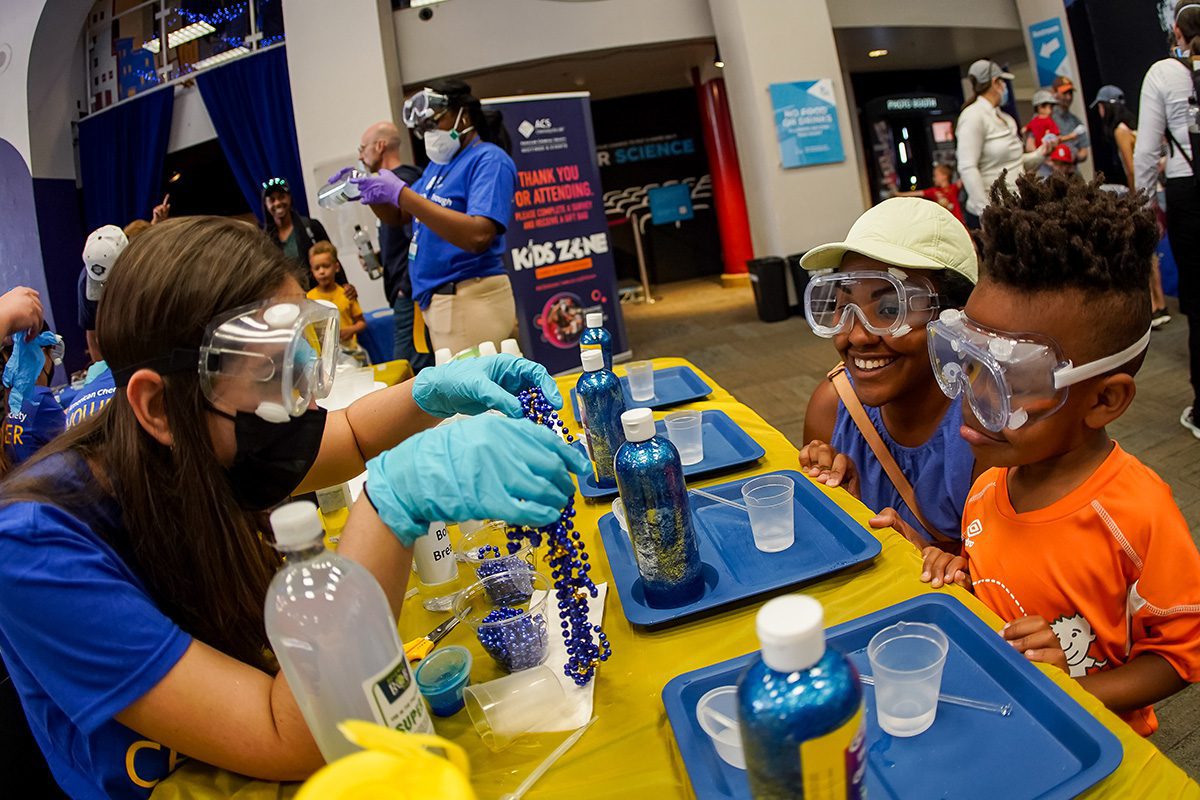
x,y
800,709
650,479
601,404
595,337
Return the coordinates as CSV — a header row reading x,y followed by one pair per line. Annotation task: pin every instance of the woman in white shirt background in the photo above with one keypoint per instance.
x,y
988,141
1163,114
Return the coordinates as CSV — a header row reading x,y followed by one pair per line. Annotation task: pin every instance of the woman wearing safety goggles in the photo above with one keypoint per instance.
x,y
133,565
873,294
459,210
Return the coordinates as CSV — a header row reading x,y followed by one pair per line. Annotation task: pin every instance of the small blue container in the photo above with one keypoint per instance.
x,y
442,676
595,337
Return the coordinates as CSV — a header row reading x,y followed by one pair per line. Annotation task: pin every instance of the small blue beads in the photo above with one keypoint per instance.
x,y
587,644
516,645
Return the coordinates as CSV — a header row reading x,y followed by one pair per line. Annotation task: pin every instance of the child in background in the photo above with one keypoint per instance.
x,y
1075,543
944,191
1062,161
323,261
1043,123
902,262
33,415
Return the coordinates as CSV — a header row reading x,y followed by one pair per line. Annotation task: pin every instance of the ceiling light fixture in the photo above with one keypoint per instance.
x,y
718,62
220,57
877,53
185,34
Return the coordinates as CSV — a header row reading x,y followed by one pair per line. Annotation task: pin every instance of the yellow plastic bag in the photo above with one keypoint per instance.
x,y
393,765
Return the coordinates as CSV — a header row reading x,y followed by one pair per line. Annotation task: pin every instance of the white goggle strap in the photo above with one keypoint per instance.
x,y
1070,375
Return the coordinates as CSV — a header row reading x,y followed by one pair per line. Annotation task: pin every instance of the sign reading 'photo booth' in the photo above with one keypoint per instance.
x,y
807,124
558,251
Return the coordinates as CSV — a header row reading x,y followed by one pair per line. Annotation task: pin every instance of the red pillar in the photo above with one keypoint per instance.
x,y
729,199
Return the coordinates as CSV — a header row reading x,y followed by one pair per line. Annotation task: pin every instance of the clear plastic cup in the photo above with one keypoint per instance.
x,y
509,616
507,708
686,433
715,712
768,501
618,509
906,661
488,550
641,380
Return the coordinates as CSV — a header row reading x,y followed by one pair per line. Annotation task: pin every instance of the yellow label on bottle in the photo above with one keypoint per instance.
x,y
583,346
834,765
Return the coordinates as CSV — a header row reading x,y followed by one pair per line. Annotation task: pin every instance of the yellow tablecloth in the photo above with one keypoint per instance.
x,y
630,751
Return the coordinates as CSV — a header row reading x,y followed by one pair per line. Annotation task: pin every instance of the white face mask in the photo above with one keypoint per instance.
x,y
441,145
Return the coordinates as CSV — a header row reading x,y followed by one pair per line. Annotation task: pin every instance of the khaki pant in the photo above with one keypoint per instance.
x,y
482,310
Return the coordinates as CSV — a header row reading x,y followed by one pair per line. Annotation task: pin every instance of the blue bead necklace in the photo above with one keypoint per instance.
x,y
587,644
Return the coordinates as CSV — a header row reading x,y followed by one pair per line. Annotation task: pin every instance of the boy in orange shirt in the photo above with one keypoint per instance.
x,y
1074,542
323,261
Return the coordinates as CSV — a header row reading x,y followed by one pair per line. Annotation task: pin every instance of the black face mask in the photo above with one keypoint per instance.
x,y
272,457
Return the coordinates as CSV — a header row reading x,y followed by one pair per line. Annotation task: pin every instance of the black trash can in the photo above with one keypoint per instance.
x,y
768,276
799,277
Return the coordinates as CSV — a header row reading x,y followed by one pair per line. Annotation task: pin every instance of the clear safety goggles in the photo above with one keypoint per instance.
x,y
886,303
423,109
1010,379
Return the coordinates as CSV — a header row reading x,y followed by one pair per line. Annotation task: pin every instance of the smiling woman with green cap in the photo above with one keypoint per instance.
x,y
880,426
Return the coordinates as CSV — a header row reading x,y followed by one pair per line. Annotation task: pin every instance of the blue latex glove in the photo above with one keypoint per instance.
x,y
484,467
24,366
337,176
382,188
475,385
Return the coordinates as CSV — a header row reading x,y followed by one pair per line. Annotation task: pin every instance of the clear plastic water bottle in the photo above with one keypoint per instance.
x,y
595,337
367,251
650,480
334,635
332,195
800,709
601,404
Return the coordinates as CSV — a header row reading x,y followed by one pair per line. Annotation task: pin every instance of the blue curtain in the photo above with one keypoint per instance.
x,y
250,103
121,152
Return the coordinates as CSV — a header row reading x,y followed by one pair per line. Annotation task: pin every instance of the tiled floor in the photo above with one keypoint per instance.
x,y
774,367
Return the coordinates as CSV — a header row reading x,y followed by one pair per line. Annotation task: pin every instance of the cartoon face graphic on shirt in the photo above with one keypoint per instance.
x,y
1076,637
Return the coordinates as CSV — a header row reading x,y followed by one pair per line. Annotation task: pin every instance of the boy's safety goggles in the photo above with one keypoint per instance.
x,y
271,358
1010,379
886,303
422,110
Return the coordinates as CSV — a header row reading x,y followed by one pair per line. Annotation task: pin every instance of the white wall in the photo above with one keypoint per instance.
x,y
466,36
20,23
778,41
923,13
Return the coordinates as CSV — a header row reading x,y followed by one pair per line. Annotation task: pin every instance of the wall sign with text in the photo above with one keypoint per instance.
x,y
807,124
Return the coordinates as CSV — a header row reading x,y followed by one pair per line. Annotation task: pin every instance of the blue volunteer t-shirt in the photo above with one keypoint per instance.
x,y
479,181
82,638
40,419
94,396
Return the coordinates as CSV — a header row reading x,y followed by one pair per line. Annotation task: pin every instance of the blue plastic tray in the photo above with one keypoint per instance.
x,y
725,445
827,540
1049,747
672,386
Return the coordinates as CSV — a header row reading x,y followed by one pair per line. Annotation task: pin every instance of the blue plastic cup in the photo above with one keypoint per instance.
x,y
442,676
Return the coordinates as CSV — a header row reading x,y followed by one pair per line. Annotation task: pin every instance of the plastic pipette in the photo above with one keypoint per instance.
x,y
1003,709
544,767
717,499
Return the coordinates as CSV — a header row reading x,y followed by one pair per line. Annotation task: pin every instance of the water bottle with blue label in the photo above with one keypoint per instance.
x,y
800,709
595,337
601,404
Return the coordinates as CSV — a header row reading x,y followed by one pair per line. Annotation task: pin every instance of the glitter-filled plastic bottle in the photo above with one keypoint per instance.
x,y
595,337
601,404
650,479
800,709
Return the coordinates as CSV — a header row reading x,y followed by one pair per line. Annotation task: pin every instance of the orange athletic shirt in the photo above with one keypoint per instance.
x,y
1111,566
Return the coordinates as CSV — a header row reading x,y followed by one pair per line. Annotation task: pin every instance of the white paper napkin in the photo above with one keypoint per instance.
x,y
578,708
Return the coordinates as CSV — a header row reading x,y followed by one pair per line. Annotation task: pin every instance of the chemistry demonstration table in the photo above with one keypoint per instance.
x,y
630,751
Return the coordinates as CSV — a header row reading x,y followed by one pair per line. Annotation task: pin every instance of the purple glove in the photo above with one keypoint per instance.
x,y
382,188
341,173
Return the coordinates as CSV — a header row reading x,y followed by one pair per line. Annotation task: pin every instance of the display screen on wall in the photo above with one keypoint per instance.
x,y
806,122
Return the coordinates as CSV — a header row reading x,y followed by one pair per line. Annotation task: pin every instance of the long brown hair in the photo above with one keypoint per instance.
x,y
199,554
1188,22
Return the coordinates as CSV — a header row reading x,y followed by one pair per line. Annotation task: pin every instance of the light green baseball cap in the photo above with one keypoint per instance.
x,y
904,232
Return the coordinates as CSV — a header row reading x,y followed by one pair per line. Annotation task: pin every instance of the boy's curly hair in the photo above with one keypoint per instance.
x,y
1063,234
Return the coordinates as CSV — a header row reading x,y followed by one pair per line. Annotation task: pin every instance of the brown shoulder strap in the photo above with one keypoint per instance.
x,y
850,400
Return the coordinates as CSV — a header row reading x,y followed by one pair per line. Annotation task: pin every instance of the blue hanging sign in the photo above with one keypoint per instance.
x,y
670,203
807,123
1049,50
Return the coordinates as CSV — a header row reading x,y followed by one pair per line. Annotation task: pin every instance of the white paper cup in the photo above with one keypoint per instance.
x,y
685,431
507,708
768,501
907,661
641,380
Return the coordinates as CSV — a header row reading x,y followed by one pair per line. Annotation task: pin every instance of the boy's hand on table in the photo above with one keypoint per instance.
x,y
824,464
942,568
1033,637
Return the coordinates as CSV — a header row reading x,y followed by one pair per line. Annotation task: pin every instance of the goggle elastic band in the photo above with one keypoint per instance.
x,y
1069,376
180,359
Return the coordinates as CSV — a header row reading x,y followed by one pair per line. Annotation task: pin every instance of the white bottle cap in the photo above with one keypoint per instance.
x,y
442,356
638,424
592,360
595,319
487,349
791,632
296,524
511,347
